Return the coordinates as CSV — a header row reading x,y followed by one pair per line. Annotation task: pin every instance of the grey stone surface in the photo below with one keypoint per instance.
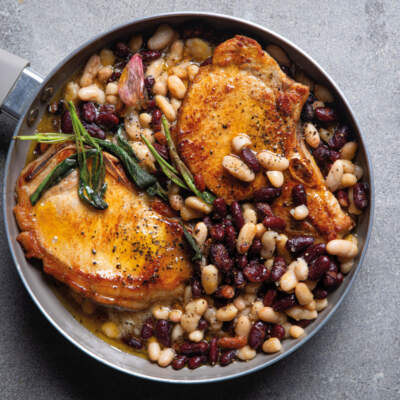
x,y
356,355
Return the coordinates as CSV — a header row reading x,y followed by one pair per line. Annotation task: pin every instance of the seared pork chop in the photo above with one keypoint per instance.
x,y
244,90
128,255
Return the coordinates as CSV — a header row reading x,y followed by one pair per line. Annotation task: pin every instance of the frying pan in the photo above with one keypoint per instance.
x,y
24,94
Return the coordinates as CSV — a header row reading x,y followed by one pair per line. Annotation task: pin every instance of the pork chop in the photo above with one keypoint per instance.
x,y
244,90
128,255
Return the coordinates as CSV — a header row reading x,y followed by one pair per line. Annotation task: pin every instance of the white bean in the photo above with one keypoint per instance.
x,y
90,71
92,93
242,326
348,151
198,306
334,178
155,68
321,304
303,294
200,233
111,330
237,168
192,71
296,331
246,353
272,161
198,204
279,54
71,91
267,314
135,43
166,107
311,135
176,202
145,119
154,351
107,57
144,156
323,94
260,230
288,281
209,278
347,266
301,269
112,88
272,345
348,180
160,311
176,51
175,315
250,215
161,38
161,86
341,248
226,313
240,141
181,70
166,356
196,336
198,49
358,171
176,104
268,241
104,73
189,321
177,332
300,212
246,237
298,313
176,87
187,214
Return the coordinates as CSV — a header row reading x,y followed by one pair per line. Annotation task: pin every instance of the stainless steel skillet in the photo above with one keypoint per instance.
x,y
23,95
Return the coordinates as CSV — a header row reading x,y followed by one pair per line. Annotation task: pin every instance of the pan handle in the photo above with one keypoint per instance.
x,y
17,84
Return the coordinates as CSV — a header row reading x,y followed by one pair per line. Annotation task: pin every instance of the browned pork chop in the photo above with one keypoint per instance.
x,y
128,255
244,90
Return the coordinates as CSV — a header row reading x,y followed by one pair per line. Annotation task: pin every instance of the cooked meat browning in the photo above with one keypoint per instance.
x,y
244,90
128,255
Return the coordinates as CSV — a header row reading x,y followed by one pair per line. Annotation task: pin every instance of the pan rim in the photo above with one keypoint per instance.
x,y
317,328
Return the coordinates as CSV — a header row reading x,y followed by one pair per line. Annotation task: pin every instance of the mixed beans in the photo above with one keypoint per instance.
x,y
254,286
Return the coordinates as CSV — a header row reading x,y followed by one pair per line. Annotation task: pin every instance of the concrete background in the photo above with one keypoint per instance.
x,y
356,356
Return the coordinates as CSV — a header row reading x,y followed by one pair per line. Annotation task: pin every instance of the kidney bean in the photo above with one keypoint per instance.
x,y
122,50
263,210
107,119
343,198
241,260
217,232
303,322
207,61
333,266
228,326
149,82
66,123
189,348
285,302
162,332
237,215
321,154
208,222
150,104
279,267
214,352
299,195
235,342
220,257
286,70
257,335
162,150
332,280
230,238
307,113
267,194
179,362
156,119
202,325
88,112
320,293
339,138
318,267
150,55
256,272
220,208
278,331
325,114
94,130
196,361
361,195
274,223
225,292
133,342
147,329
250,159
115,75
333,156
238,279
196,288
227,357
270,297
314,251
199,182
255,248
299,243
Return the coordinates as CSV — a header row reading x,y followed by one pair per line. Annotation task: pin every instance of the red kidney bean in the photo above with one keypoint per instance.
x,y
228,326
256,272
162,332
304,322
147,329
318,267
320,293
250,159
333,266
225,292
321,154
238,279
162,150
156,119
107,119
227,357
133,342
255,248
88,112
325,114
199,182
263,210
334,155
361,195
267,194
150,104
275,223
217,232
179,362
307,113
196,361
270,297
343,198
339,138
214,352
115,75
208,222
202,325
220,257
237,215
94,130
196,288
241,260
207,61
299,243
230,238
285,302
220,208
332,280
149,82
66,123
189,348
257,335
278,331
279,267
314,251
122,50
150,55
299,195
